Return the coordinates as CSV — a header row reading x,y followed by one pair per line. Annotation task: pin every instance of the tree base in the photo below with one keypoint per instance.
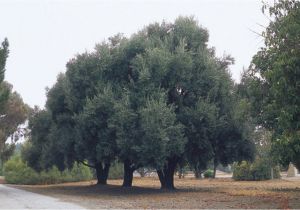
x,y
101,183
170,188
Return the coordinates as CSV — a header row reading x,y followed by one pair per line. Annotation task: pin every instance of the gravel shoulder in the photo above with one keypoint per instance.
x,y
190,193
12,198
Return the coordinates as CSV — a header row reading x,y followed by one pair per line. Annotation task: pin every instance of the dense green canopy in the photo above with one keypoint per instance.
x,y
273,80
151,100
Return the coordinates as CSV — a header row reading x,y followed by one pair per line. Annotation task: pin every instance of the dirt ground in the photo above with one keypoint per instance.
x,y
190,193
2,180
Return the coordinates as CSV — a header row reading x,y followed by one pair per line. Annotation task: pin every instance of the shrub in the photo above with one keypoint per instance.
x,y
67,176
116,171
259,170
208,174
241,171
79,172
51,176
18,172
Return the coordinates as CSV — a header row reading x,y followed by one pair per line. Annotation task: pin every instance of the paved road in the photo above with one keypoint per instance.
x,y
11,198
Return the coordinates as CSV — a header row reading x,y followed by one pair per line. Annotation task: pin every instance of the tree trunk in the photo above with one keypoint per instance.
x,y
272,173
102,172
128,174
166,175
215,167
180,173
161,177
170,179
197,174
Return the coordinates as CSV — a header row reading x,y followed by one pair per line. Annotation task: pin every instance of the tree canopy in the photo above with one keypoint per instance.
x,y
4,90
273,80
13,111
151,100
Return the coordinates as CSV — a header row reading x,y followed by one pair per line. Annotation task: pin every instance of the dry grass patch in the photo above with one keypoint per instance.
x,y
190,193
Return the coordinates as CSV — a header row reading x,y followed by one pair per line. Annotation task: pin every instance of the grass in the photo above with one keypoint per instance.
x,y
190,193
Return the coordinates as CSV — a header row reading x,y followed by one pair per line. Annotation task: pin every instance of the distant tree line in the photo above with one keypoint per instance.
x,y
157,99
271,86
13,111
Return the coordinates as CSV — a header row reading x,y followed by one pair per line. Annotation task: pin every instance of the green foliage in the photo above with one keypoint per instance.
x,y
241,171
7,151
51,176
80,172
18,172
96,141
34,151
1,168
116,171
150,100
61,123
274,80
13,111
3,57
208,173
16,112
125,122
4,91
162,135
256,171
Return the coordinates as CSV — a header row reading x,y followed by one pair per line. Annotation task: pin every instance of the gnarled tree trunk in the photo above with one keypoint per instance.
x,y
166,175
102,171
197,173
215,167
128,173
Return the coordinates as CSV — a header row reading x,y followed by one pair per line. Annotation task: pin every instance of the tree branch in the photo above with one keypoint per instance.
x,y
86,164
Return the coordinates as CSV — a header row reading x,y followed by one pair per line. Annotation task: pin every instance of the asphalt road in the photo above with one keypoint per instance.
x,y
12,198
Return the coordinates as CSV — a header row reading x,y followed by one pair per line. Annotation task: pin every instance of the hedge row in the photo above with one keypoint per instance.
x,y
259,170
17,172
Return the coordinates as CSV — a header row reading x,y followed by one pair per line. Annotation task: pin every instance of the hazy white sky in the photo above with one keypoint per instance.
x,y
45,34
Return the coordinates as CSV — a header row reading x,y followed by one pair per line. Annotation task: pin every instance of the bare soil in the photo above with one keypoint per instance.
x,y
2,180
190,193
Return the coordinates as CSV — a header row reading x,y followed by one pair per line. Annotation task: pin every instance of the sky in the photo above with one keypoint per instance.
x,y
45,34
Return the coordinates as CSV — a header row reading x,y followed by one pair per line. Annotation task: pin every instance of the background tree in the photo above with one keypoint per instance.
x,y
51,139
275,75
4,90
13,111
62,132
34,152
